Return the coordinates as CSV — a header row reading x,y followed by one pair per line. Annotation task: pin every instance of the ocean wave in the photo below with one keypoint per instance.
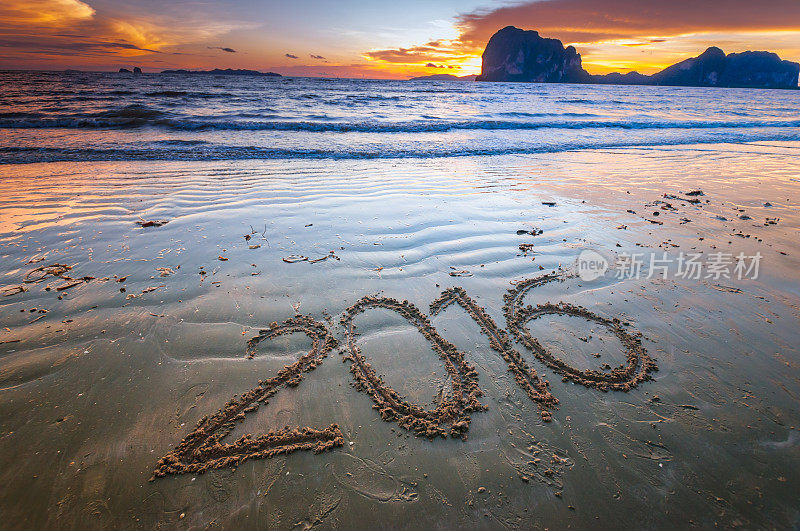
x,y
179,142
132,112
140,116
24,115
206,151
168,93
521,114
183,94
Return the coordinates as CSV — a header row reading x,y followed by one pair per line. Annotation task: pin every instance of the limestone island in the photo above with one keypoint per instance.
x,y
513,54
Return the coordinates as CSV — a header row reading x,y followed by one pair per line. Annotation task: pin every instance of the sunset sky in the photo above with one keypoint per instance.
x,y
355,38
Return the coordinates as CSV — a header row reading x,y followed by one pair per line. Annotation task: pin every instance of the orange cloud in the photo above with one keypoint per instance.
x,y
57,13
417,60
41,33
599,20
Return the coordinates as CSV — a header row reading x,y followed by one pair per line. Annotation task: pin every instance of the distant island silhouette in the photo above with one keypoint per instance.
x,y
224,72
443,77
519,55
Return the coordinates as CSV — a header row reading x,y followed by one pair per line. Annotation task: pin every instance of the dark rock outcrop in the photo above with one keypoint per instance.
x,y
513,54
443,77
703,70
761,69
615,78
137,70
124,71
713,68
225,72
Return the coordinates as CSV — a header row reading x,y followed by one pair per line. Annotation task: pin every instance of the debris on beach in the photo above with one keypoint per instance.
x,y
144,291
70,284
549,203
152,223
693,201
42,272
7,291
526,248
459,272
294,258
533,232
330,254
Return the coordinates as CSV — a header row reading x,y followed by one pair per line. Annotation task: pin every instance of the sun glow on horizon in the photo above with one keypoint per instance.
x,y
289,39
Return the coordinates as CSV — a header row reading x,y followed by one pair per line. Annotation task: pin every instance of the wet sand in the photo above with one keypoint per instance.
x,y
271,344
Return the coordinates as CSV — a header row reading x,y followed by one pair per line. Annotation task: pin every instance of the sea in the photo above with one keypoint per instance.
x,y
46,117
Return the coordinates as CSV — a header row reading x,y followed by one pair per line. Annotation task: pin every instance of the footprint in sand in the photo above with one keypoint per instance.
x,y
371,480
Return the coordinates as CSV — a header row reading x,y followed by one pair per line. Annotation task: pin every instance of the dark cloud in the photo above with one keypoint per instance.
x,y
431,65
443,52
317,57
596,20
402,55
224,49
290,56
50,45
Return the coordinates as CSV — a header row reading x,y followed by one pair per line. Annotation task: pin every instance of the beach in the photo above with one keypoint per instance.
x,y
162,259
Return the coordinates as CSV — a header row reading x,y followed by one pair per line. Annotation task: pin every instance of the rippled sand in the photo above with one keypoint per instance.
x,y
97,389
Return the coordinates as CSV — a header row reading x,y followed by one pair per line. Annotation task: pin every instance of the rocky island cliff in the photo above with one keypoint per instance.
x,y
513,54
